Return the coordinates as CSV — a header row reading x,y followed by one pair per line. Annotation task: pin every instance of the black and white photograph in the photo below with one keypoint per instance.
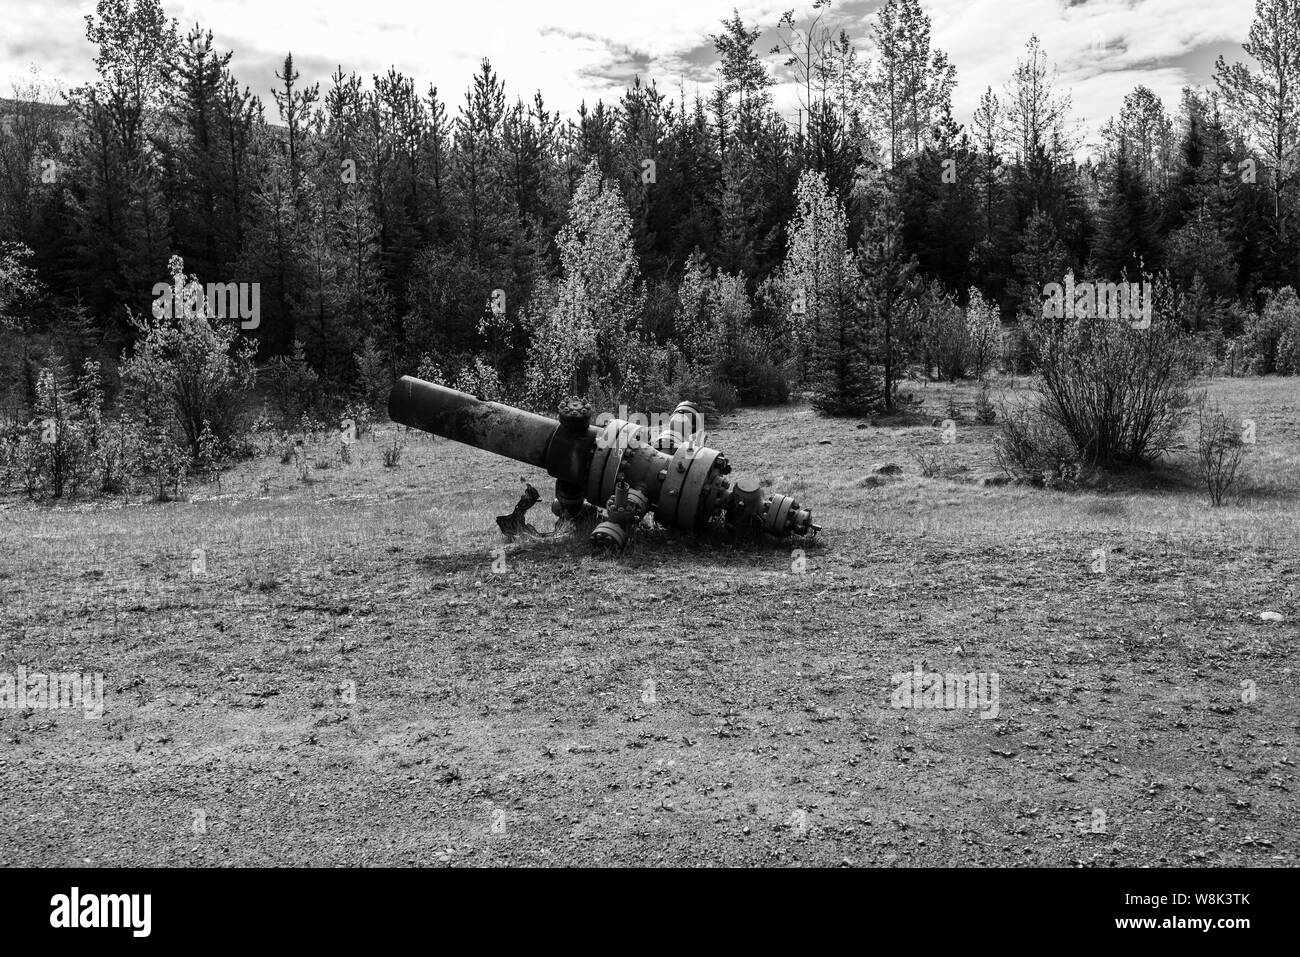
x,y
862,436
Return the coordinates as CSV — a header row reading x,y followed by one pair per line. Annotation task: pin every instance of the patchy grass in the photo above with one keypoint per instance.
x,y
349,681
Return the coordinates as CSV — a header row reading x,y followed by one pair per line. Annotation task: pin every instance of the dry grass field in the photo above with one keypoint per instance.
x,y
357,669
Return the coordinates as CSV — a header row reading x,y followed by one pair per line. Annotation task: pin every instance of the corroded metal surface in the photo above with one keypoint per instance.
x,y
491,426
625,470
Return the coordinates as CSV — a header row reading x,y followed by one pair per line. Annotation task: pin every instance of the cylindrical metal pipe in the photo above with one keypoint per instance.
x,y
491,426
685,487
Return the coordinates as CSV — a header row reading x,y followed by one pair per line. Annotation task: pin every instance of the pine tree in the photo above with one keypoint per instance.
x,y
823,291
1125,244
200,180
295,104
1268,102
889,276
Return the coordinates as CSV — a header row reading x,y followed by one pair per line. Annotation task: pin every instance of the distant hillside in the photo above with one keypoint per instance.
x,y
59,111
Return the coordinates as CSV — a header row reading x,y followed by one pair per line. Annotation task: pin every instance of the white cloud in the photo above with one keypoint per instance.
x,y
587,49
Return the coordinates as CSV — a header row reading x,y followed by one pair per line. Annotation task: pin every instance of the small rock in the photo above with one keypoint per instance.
x,y
890,469
824,442
1270,616
994,480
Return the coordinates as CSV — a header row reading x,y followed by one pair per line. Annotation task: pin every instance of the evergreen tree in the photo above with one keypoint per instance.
x,y
1268,103
890,285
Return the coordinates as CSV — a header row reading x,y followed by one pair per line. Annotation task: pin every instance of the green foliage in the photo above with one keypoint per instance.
x,y
822,290
374,376
590,339
1034,448
187,371
378,217
293,386
890,288
1118,393
56,451
983,332
1275,335
480,378
945,336
71,445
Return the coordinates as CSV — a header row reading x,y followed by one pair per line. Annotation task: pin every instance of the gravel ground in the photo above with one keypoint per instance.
x,y
357,669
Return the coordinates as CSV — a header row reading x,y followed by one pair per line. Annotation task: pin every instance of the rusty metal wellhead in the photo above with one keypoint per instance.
x,y
625,470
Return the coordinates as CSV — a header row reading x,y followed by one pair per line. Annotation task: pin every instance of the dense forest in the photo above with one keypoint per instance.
x,y
661,244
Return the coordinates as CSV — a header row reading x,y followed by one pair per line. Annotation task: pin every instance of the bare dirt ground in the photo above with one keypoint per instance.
x,y
349,681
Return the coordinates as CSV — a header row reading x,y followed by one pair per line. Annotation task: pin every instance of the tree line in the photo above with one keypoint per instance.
x,y
666,242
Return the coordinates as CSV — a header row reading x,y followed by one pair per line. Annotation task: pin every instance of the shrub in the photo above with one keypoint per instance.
x,y
983,332
1273,336
57,446
985,414
1033,448
293,386
55,453
1020,353
945,335
758,380
188,369
928,460
1286,316
393,453
430,370
163,460
479,378
211,456
1118,393
116,453
1219,449
725,396
374,377
72,443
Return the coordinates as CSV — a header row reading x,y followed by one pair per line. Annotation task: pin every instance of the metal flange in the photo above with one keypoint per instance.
x,y
697,474
609,475
671,492
777,511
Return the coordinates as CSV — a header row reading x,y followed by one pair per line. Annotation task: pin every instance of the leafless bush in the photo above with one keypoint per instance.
x,y
1219,449
1118,393
929,460
1033,448
393,453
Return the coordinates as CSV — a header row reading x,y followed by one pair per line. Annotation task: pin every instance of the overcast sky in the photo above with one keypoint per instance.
x,y
588,49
